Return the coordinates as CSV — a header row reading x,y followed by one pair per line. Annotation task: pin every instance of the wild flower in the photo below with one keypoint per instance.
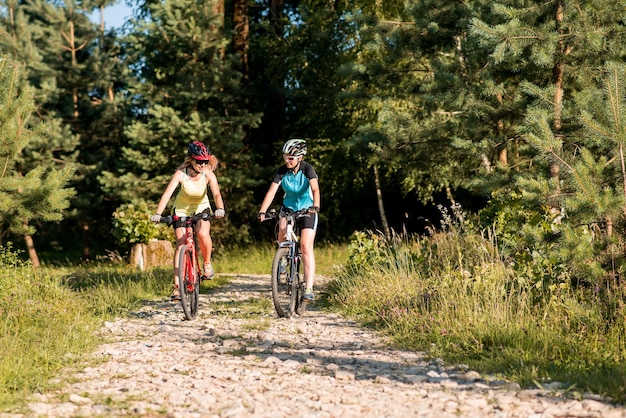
x,y
453,218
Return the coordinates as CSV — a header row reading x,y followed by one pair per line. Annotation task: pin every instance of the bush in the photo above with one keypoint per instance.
x,y
365,248
132,225
10,257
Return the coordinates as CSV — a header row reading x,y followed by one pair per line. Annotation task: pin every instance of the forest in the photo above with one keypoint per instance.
x,y
511,111
470,158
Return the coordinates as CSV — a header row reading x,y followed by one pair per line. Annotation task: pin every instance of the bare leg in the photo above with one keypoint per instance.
x,y
307,241
180,241
282,230
205,242
203,230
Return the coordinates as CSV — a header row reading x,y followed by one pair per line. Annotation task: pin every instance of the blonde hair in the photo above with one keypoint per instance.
x,y
187,163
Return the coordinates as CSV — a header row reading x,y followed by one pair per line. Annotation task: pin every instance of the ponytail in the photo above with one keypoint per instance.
x,y
213,162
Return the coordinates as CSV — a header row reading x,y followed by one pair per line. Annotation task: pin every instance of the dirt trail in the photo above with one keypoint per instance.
x,y
234,362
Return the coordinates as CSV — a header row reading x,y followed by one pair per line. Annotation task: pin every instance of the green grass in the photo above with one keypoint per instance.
x,y
44,327
49,317
453,297
112,290
258,259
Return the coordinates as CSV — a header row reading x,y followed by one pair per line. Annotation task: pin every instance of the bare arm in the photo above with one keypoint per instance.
x,y
269,198
215,189
315,189
169,191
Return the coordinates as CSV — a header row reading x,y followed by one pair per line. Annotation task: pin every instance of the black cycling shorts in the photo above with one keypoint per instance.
x,y
308,221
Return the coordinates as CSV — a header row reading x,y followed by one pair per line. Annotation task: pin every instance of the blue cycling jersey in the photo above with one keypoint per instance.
x,y
298,194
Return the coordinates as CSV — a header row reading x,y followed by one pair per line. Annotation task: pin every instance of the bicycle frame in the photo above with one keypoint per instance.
x,y
187,270
292,240
190,237
190,231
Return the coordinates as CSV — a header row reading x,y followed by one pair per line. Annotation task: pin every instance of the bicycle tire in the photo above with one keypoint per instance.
x,y
281,287
299,303
188,286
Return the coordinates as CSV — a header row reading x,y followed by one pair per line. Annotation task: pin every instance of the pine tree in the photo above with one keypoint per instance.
x,y
413,75
559,48
189,91
79,76
39,193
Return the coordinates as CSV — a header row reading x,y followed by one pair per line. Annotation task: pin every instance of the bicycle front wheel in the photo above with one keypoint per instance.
x,y
188,285
299,288
281,283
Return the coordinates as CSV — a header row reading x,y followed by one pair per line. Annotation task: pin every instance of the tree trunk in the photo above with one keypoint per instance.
x,y
450,196
502,152
241,36
557,74
155,253
381,207
276,10
71,41
621,155
277,99
557,71
218,8
503,157
30,247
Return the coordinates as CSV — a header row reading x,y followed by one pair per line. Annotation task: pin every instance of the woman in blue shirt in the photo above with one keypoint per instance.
x,y
299,181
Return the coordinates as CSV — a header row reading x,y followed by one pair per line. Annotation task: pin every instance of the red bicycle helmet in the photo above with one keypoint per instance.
x,y
198,151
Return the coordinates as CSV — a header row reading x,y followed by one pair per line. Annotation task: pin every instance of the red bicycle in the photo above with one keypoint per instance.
x,y
189,276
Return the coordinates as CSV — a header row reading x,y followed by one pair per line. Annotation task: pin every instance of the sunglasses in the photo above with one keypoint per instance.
x,y
289,157
201,162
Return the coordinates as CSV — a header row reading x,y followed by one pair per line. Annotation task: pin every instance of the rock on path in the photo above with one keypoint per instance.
x,y
239,360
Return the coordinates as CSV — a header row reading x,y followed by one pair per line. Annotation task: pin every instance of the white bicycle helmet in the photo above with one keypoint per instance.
x,y
295,147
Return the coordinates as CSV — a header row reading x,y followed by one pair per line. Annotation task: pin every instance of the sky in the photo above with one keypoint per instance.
x,y
114,16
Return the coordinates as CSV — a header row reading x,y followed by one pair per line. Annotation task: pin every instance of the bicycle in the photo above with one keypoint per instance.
x,y
288,284
189,277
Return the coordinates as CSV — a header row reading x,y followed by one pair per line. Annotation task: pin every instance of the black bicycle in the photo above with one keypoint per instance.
x,y
287,279
189,275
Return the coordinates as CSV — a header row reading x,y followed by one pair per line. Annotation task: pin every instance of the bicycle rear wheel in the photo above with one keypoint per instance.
x,y
281,283
189,286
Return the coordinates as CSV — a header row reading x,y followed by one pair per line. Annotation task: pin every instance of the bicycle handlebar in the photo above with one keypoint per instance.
x,y
274,214
193,218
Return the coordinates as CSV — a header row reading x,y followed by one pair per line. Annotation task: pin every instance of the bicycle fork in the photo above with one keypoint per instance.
x,y
291,262
294,260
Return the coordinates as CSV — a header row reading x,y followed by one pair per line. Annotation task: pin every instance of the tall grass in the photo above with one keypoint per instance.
x,y
43,327
114,289
453,296
49,316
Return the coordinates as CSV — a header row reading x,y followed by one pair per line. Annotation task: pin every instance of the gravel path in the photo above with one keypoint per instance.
x,y
237,359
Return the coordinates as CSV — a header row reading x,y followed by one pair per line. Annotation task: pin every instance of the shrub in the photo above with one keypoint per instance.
x,y
132,225
365,248
10,257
